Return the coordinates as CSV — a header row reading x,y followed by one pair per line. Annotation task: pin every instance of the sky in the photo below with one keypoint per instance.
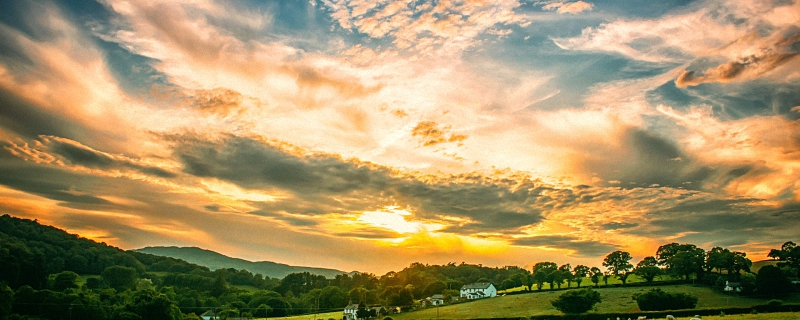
x,y
366,135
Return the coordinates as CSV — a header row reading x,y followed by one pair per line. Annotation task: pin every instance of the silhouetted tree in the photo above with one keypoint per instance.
x,y
618,263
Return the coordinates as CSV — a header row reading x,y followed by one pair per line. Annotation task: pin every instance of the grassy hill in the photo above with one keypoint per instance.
x,y
758,264
214,261
538,303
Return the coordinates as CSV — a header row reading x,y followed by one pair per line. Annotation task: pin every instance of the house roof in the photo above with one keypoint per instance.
x,y
477,285
437,296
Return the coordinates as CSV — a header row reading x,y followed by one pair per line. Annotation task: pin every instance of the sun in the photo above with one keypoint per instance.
x,y
392,218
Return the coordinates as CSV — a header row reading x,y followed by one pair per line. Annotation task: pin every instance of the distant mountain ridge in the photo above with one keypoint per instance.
x,y
214,260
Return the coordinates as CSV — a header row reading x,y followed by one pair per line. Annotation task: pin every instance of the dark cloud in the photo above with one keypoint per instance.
x,y
51,183
370,233
582,248
297,221
748,67
724,222
325,184
78,154
29,121
649,160
618,225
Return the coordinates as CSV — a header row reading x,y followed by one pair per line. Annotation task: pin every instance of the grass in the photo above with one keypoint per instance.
x,y
615,300
321,316
760,316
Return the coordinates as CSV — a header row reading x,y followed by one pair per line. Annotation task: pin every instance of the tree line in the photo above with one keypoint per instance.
x,y
48,273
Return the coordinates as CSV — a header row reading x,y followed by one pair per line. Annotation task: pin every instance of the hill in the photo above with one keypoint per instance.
x,y
215,261
758,264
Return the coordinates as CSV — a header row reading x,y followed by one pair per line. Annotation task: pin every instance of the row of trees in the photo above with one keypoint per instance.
x,y
675,260
27,251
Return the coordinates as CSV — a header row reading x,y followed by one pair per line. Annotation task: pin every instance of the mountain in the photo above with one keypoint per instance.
x,y
214,261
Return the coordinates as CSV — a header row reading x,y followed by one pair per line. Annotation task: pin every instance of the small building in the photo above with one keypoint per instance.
x,y
733,286
435,300
379,311
209,315
351,312
478,290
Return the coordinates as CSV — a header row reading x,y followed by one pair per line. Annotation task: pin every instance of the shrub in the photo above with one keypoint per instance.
x,y
774,303
576,301
657,300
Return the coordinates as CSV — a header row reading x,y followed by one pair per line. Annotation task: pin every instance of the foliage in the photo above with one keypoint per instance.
x,y
648,269
543,273
770,281
576,301
657,299
618,263
580,272
682,259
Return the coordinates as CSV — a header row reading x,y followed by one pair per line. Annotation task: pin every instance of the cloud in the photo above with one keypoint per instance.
x,y
71,154
782,51
754,157
577,246
430,134
568,7
443,27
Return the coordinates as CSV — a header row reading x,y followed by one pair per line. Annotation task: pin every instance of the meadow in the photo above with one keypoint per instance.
x,y
615,300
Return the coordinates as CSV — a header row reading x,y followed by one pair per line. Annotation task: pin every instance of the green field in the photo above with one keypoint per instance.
x,y
538,303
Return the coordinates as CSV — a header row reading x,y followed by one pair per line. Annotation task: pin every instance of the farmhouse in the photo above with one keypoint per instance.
x,y
435,300
478,290
733,286
351,312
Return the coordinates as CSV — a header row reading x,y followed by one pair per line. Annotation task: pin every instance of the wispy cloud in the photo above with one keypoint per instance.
x,y
567,7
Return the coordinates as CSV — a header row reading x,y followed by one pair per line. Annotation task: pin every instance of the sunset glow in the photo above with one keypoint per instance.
x,y
367,135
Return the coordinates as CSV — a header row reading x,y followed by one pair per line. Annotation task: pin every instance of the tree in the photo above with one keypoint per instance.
x,y
64,280
6,295
436,287
579,273
648,269
595,273
682,259
543,272
219,287
771,281
566,274
576,301
789,255
152,305
618,262
119,277
657,299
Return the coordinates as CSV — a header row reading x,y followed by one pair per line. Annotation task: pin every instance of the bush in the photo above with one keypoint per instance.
x,y
576,301
657,300
774,303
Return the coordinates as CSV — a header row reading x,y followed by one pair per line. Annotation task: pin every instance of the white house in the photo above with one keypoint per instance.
x,y
435,300
351,312
733,286
478,290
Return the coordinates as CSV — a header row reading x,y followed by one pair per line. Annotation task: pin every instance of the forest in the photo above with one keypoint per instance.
x,y
46,273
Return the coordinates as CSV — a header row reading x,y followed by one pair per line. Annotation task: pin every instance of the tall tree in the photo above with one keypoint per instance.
x,y
543,272
682,259
595,274
580,272
566,274
618,263
120,278
648,269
